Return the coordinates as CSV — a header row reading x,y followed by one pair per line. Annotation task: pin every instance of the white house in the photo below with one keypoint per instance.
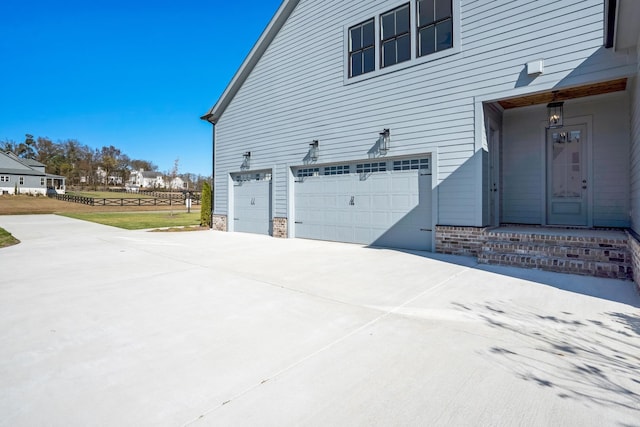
x,y
112,179
146,179
27,176
434,125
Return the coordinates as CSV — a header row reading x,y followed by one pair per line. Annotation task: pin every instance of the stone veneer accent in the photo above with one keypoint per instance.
x,y
219,222
280,227
457,240
634,251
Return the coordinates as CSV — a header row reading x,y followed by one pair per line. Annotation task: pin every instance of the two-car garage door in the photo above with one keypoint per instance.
x,y
381,203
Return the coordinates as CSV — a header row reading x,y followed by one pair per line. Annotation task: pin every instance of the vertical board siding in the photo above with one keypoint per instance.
x,y
297,93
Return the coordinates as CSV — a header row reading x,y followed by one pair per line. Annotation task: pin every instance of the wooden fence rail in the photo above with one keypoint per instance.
x,y
123,201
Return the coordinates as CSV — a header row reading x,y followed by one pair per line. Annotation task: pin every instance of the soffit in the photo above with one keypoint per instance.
x,y
565,94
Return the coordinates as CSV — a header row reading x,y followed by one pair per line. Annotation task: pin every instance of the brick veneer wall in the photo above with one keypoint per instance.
x,y
456,240
219,222
634,250
280,227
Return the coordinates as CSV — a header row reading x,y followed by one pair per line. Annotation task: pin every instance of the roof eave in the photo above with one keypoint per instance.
x,y
267,36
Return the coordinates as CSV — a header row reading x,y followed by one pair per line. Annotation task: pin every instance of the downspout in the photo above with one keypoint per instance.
x,y
610,13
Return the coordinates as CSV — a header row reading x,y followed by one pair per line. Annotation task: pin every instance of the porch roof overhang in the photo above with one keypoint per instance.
x,y
565,94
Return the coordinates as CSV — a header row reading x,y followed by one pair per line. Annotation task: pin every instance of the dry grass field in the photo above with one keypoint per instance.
x,y
22,205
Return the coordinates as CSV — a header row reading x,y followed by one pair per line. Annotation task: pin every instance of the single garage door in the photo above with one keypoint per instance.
x,y
252,203
382,203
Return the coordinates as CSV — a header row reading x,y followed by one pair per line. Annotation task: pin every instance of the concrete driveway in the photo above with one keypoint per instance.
x,y
101,326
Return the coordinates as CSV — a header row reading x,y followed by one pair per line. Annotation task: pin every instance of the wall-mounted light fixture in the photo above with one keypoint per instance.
x,y
385,141
314,150
246,160
555,112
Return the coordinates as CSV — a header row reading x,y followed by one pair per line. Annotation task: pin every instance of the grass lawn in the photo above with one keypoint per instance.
x,y
6,239
139,220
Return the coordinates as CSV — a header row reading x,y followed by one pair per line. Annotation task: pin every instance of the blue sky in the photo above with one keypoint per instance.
x,y
136,75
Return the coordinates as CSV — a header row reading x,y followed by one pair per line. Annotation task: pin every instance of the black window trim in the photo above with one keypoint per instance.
x,y
419,28
396,36
352,52
415,60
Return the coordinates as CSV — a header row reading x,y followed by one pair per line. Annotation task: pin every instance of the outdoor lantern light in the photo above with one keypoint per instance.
x,y
385,141
247,159
314,151
555,112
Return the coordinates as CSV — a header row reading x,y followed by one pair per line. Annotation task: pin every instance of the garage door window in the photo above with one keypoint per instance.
x,y
308,172
371,167
252,177
409,164
336,170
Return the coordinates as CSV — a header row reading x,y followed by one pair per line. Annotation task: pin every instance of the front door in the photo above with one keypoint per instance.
x,y
567,202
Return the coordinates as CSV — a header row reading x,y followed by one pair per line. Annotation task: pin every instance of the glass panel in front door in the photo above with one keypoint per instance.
x,y
567,176
567,160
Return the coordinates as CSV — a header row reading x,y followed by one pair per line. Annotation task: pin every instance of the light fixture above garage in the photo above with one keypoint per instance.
x,y
555,112
246,160
385,141
314,150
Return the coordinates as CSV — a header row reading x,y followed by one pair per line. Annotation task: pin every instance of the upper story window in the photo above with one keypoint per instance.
x,y
435,26
362,54
22,180
395,35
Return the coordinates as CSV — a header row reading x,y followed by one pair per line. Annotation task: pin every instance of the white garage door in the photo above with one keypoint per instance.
x,y
252,203
382,203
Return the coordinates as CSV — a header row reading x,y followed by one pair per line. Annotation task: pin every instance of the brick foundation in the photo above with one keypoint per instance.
x,y
634,251
279,227
219,222
455,240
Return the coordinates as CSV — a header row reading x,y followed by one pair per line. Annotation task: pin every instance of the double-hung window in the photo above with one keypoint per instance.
x,y
362,54
395,34
22,180
435,26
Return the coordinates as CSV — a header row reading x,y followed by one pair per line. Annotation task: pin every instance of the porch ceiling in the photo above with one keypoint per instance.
x,y
565,94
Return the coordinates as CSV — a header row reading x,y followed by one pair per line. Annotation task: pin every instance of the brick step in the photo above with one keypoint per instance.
x,y
544,239
613,270
555,250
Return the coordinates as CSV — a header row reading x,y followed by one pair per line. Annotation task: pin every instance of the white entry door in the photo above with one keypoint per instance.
x,y
567,201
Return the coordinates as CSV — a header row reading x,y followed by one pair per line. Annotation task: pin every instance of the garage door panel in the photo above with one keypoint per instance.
x,y
389,208
252,207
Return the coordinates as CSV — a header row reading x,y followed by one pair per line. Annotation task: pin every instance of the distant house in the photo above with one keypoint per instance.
x,y
111,179
27,176
146,179
177,183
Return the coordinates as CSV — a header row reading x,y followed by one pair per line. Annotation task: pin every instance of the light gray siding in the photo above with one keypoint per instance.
x,y
297,93
635,153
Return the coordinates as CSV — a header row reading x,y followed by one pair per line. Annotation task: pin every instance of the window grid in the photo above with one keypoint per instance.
x,y
362,48
371,167
5,178
41,181
435,26
337,170
302,173
395,34
410,164
252,177
22,180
